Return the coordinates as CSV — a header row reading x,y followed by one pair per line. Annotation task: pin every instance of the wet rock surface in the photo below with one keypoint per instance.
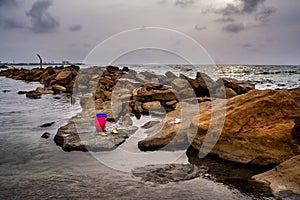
x,y
284,178
166,173
80,135
233,174
240,87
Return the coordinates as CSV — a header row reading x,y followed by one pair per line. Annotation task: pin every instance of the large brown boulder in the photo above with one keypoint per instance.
x,y
144,94
202,85
259,127
64,77
173,131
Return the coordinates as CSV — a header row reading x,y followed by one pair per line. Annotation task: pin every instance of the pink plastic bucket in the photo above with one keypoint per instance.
x,y
100,121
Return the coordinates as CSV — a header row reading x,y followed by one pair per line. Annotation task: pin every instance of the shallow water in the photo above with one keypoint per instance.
x,y
35,168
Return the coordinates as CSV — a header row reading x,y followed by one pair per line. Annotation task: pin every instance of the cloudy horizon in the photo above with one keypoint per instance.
x,y
230,31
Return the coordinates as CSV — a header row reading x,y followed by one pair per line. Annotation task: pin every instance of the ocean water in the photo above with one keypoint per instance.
x,y
35,168
263,76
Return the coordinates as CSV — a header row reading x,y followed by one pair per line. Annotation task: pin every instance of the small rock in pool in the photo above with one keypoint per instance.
x,y
47,124
22,92
6,91
45,135
33,94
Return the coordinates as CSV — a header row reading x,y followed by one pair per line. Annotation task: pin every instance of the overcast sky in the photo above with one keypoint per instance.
x,y
230,31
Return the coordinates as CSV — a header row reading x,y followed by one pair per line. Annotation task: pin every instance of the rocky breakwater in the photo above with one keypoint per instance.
x,y
190,98
54,79
121,92
80,134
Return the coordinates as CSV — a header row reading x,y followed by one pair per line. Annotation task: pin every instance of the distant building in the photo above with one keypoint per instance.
x,y
65,62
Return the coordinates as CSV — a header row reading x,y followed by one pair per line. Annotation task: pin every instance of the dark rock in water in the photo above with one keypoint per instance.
x,y
22,92
6,91
3,67
47,124
68,138
240,87
170,75
125,69
45,135
112,69
33,94
166,173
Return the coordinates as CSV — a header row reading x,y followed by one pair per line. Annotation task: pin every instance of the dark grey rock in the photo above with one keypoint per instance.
x,y
47,124
45,135
22,92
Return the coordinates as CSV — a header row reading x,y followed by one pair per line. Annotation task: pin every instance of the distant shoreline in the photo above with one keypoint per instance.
x,y
46,63
140,64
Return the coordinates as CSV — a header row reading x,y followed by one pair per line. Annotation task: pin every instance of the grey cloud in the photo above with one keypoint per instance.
x,y
256,7
8,3
184,3
11,23
264,14
234,28
230,9
42,21
76,27
7,20
198,27
224,20
249,6
247,45
233,12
